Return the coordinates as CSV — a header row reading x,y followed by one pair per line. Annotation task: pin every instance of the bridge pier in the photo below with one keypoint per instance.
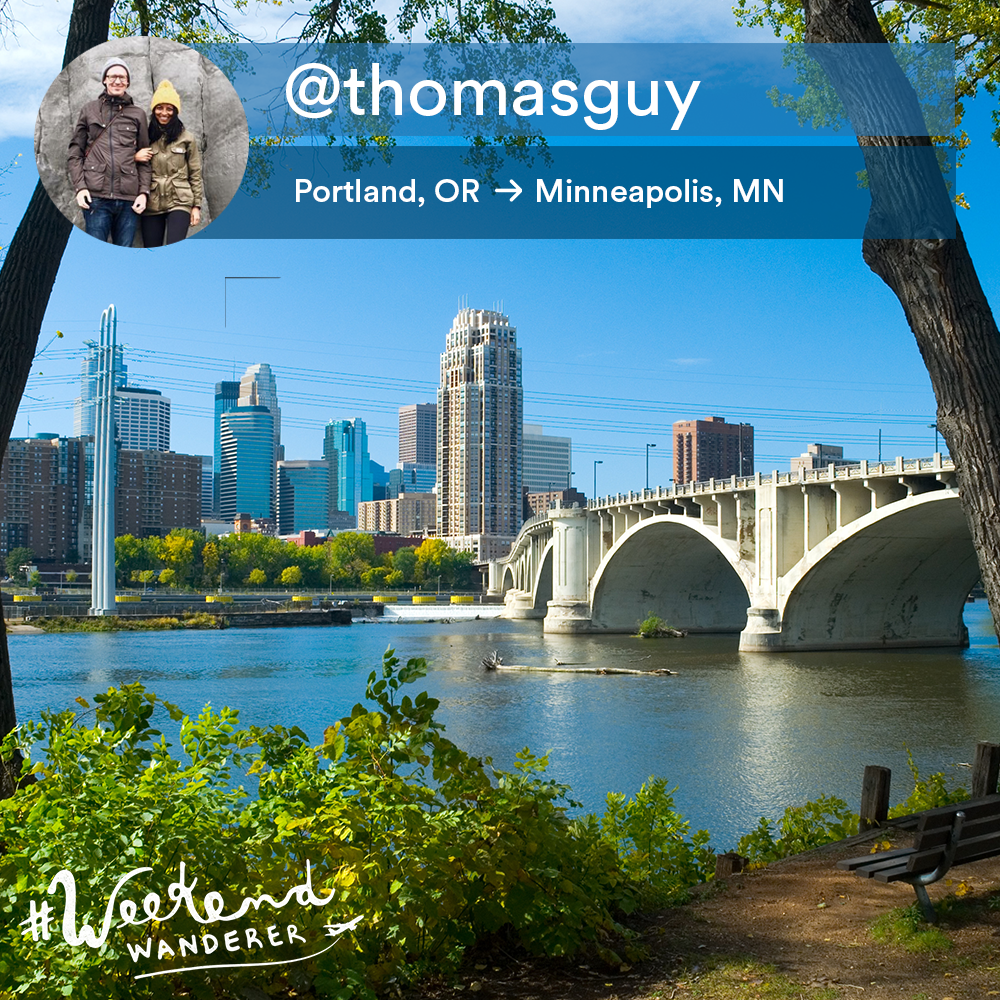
x,y
763,631
569,609
520,605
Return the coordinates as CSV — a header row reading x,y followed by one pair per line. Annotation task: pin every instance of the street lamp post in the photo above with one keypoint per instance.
x,y
648,446
934,427
597,462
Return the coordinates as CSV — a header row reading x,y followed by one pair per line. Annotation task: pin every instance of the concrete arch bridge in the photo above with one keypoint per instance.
x,y
845,557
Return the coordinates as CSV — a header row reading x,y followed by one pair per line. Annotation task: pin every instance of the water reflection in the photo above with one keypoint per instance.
x,y
741,735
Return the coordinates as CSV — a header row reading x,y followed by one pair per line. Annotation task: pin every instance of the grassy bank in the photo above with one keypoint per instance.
x,y
114,623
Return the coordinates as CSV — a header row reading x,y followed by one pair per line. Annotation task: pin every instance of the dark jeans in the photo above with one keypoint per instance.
x,y
174,224
114,217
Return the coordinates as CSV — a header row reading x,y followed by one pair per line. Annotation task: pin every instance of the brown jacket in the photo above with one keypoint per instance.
x,y
102,151
176,174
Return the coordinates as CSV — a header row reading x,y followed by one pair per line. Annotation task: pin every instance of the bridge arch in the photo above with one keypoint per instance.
x,y
541,586
674,567
896,577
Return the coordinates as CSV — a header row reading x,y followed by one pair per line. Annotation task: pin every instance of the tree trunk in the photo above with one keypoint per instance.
x,y
936,284
26,280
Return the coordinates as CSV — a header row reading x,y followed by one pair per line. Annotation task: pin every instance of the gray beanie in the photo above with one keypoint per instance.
x,y
116,62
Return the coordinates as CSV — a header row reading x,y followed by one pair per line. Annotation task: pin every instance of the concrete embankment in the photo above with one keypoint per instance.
x,y
289,619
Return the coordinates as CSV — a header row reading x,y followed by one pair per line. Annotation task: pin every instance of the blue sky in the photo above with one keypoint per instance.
x,y
619,338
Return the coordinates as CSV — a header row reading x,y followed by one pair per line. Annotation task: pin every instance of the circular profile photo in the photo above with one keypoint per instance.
x,y
141,142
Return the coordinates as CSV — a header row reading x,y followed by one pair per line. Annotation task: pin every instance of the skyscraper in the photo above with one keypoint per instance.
x,y
331,456
417,470
143,419
711,449
303,489
85,406
418,433
354,475
227,397
258,388
248,467
480,412
546,462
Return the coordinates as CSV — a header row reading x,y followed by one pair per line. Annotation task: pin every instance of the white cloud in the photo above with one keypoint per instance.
x,y
30,59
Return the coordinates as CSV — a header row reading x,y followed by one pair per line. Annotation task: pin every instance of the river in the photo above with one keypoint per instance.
x,y
741,735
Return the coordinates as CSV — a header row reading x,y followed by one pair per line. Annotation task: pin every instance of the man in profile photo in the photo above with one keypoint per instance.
x,y
111,187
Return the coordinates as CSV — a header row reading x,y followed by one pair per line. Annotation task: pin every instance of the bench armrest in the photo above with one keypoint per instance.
x,y
949,855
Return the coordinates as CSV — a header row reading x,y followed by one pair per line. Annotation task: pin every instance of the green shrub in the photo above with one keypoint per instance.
x,y
801,828
928,793
650,840
651,627
434,850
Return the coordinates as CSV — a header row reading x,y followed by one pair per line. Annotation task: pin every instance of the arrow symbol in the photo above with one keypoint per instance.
x,y
512,191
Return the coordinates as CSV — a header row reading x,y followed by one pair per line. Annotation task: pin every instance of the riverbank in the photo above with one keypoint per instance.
x,y
797,928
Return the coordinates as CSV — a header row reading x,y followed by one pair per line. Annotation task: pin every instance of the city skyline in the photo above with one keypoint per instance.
x,y
305,430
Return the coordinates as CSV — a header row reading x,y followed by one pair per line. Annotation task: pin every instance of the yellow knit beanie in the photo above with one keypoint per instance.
x,y
165,94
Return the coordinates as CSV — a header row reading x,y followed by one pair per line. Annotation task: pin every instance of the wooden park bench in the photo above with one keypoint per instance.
x,y
945,837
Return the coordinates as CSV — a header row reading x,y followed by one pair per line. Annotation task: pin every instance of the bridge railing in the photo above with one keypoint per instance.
x,y
859,470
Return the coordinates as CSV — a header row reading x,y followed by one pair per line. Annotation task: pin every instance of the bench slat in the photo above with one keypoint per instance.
x,y
973,809
940,836
893,873
968,850
872,870
851,864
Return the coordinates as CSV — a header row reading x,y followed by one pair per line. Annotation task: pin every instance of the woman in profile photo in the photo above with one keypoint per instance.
x,y
175,192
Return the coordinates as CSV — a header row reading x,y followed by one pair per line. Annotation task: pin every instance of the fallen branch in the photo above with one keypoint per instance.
x,y
662,671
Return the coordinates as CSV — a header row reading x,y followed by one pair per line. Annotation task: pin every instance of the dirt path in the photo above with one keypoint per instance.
x,y
803,917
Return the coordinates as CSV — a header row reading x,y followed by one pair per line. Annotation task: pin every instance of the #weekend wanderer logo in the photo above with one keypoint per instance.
x,y
215,936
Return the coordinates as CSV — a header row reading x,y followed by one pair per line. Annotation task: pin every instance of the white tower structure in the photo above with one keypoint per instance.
x,y
102,588
479,428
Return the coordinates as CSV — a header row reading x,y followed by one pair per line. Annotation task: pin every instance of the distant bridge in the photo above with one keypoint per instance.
x,y
846,557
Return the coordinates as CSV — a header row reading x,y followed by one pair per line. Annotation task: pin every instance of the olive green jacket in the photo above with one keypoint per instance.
x,y
176,175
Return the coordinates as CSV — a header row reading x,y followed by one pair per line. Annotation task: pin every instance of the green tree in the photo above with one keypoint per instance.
x,y
131,555
972,26
934,277
168,577
404,560
34,578
347,547
257,578
17,558
291,576
374,578
349,555
394,578
177,551
71,576
210,564
143,576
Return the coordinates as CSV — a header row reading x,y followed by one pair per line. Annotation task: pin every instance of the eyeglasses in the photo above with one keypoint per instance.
x,y
117,79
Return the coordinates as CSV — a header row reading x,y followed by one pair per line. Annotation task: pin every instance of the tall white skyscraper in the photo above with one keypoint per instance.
x,y
479,425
